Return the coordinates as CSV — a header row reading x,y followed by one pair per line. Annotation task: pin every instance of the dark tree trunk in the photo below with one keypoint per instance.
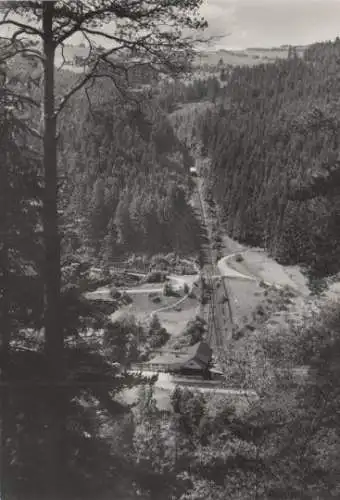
x,y
5,285
5,433
5,326
4,355
54,341
53,328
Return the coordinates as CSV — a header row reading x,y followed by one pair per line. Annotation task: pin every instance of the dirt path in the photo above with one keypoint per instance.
x,y
177,283
228,272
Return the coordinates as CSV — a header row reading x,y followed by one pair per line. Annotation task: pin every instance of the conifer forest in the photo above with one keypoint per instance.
x,y
169,258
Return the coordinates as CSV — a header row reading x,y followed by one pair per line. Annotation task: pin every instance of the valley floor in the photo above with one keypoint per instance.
x,y
254,282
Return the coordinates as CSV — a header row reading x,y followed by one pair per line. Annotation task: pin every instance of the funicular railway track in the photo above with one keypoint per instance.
x,y
216,311
219,314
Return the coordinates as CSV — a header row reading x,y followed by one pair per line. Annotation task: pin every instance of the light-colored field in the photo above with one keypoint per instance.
x,y
173,312
143,305
244,297
174,320
176,282
334,291
247,295
258,263
246,57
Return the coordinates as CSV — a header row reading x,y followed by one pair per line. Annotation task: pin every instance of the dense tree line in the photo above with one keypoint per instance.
x,y
44,429
174,93
58,387
280,444
127,181
21,290
64,434
276,132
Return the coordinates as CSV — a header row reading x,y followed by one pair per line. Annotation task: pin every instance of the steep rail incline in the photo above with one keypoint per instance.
x,y
218,313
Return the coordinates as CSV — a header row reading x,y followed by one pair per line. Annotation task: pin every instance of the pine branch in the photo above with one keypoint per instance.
x,y
24,28
82,81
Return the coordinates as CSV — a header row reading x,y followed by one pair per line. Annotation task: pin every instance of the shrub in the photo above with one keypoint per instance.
x,y
262,284
289,293
126,298
219,256
168,290
120,340
157,335
194,332
239,258
160,261
87,284
115,293
156,300
238,334
223,299
155,277
260,311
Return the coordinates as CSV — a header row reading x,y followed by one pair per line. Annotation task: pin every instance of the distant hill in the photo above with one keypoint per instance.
x,y
246,57
274,149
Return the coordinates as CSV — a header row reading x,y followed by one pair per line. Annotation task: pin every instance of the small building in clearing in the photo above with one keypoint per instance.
x,y
195,360
199,358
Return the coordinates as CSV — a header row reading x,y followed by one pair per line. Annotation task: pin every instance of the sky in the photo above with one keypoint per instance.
x,y
269,23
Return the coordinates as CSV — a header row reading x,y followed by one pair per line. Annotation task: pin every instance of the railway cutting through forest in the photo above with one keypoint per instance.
x,y
217,312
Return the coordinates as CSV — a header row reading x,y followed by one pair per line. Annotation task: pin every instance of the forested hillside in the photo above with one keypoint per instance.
x,y
276,130
123,173
89,168
127,181
94,167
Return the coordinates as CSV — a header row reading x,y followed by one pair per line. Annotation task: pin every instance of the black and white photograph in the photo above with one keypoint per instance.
x,y
170,250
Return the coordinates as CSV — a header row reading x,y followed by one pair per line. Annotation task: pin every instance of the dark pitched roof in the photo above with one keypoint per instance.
x,y
203,353
200,353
